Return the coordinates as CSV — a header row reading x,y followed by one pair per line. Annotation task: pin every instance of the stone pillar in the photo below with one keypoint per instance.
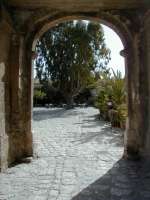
x,y
145,85
5,38
137,136
4,143
34,55
25,87
147,26
20,133
16,138
132,140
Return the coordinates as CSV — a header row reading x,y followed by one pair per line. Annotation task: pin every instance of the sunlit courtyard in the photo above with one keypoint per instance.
x,y
72,149
76,157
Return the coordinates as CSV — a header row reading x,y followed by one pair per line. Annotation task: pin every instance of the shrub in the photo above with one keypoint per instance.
x,y
38,97
112,89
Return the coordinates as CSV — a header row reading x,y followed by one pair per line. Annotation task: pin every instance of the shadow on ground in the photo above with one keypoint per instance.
x,y
105,133
126,180
46,113
105,136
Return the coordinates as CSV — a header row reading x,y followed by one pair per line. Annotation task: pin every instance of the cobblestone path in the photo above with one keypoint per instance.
x,y
76,157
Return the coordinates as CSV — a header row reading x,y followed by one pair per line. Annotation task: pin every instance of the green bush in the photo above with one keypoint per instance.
x,y
122,114
112,88
38,97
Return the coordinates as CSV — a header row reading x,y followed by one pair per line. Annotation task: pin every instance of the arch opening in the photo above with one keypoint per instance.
x,y
121,31
51,25
86,129
126,39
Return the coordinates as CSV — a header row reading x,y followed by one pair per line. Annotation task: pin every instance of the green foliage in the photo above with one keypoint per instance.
x,y
122,112
69,52
38,96
112,88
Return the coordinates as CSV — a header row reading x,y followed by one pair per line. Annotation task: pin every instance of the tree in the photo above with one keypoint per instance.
x,y
69,54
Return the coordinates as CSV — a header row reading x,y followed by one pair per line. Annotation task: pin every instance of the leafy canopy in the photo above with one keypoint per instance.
x,y
70,53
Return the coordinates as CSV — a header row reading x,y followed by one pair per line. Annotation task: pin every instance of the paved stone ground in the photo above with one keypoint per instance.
x,y
76,157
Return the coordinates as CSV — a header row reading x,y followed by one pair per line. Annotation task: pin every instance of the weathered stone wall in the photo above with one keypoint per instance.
x,y
132,137
20,139
145,56
148,66
15,132
25,95
5,40
138,139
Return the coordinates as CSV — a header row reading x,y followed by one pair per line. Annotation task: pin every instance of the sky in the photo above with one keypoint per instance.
x,y
114,43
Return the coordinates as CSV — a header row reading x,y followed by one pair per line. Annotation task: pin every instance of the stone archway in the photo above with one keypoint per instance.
x,y
132,140
23,28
